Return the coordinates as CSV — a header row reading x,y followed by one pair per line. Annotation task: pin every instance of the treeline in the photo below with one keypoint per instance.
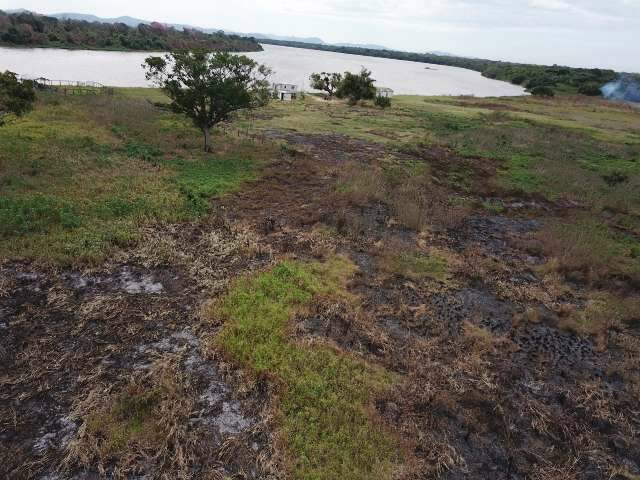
x,y
31,30
560,79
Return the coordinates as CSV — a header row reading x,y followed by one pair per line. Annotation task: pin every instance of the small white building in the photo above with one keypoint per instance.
x,y
384,92
285,91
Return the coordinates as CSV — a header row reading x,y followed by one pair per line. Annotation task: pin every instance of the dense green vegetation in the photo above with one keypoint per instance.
x,y
16,98
30,30
325,403
562,79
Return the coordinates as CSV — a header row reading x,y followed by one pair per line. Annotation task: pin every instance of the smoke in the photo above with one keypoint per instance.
x,y
625,87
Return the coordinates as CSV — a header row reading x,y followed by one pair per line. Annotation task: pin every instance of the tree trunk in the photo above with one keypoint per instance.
x,y
208,148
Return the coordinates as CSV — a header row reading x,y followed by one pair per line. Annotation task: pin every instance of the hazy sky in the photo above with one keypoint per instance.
x,y
593,33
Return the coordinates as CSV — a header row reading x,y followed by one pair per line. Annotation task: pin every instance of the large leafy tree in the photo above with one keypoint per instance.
x,y
16,97
209,87
357,86
327,82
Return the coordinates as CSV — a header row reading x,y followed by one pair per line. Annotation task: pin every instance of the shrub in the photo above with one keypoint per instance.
x,y
591,89
542,91
383,102
356,87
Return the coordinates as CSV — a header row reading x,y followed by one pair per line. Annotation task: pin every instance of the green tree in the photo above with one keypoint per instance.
x,y
208,88
16,97
357,86
327,82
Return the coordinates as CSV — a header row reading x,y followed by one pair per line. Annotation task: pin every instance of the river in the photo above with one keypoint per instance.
x,y
290,65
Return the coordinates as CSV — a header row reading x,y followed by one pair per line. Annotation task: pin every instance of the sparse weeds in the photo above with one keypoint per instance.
x,y
588,251
416,265
148,419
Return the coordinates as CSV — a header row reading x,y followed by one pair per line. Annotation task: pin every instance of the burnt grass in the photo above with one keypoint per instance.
x,y
490,384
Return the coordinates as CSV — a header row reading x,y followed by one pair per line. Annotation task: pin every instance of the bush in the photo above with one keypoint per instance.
x,y
383,102
542,91
591,89
518,79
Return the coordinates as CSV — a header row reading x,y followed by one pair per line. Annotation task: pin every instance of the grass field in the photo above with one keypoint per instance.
x,y
81,175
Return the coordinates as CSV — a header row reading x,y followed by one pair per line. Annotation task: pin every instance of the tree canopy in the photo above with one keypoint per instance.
x,y
16,97
208,88
326,82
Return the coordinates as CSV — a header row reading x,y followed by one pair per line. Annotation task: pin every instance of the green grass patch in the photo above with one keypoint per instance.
x,y
37,213
325,398
200,180
493,207
517,173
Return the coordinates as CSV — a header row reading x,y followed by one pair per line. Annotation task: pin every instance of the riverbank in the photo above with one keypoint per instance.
x,y
447,288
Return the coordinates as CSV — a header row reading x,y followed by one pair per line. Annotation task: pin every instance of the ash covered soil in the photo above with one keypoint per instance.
x,y
489,384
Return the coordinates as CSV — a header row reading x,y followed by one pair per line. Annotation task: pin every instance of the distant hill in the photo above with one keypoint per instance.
x,y
284,38
129,21
360,45
134,22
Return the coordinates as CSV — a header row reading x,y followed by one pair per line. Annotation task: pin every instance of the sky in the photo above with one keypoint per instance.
x,y
589,33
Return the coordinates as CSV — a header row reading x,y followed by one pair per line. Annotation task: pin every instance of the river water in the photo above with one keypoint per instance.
x,y
290,65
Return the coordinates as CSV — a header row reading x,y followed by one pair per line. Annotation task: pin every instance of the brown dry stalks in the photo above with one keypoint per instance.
x,y
418,204
549,471
144,423
6,286
343,326
415,201
581,250
361,185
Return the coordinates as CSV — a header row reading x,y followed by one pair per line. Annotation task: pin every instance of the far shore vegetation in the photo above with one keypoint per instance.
x,y
31,30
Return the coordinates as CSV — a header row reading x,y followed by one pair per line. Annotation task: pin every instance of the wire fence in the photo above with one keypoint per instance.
x,y
68,87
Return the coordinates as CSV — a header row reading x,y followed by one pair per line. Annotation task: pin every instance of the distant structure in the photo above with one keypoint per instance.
x,y
68,87
285,92
384,92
